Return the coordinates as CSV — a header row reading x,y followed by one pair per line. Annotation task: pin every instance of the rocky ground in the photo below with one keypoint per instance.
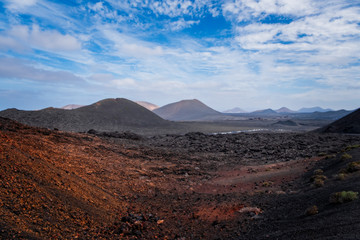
x,y
63,185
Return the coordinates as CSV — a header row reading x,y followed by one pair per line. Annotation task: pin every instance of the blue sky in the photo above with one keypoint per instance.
x,y
252,54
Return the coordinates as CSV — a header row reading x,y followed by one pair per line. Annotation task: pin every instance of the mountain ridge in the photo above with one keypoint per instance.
x,y
314,109
112,114
187,110
267,111
284,110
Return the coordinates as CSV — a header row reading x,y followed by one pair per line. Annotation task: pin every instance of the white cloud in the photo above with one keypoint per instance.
x,y
7,43
171,8
320,37
97,6
247,9
20,4
125,83
21,37
44,39
127,46
101,77
313,45
339,98
16,69
320,46
175,8
181,24
53,40
102,12
325,23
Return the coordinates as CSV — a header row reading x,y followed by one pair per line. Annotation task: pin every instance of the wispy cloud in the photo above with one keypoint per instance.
x,y
181,24
247,10
19,4
262,52
35,37
15,69
178,7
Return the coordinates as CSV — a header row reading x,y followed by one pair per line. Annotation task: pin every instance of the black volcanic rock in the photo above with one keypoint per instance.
x,y
106,115
77,186
187,110
348,124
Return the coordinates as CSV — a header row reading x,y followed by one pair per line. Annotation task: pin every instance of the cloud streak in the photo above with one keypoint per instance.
x,y
237,51
24,37
20,4
13,69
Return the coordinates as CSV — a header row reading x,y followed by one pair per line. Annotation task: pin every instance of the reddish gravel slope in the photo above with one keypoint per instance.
x,y
59,185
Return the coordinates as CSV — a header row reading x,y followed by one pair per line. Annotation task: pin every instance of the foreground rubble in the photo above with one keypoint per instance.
x,y
108,186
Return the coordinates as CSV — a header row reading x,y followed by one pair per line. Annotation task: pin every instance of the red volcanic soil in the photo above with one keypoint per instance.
x,y
59,185
257,178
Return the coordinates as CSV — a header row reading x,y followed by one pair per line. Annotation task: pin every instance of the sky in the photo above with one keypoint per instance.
x,y
252,54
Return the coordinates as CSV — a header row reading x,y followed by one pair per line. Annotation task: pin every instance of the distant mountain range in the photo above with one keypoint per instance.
x,y
314,109
268,111
106,115
284,110
271,114
152,107
235,110
121,114
280,110
187,110
194,110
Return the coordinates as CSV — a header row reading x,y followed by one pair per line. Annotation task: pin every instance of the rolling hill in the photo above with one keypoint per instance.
x,y
187,110
107,115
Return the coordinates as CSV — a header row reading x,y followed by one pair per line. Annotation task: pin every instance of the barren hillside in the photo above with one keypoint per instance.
x,y
56,184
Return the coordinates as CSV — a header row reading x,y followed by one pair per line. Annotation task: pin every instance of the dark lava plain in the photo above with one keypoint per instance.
x,y
61,185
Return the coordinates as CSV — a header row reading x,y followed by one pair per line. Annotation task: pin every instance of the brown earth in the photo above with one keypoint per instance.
x,y
59,185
